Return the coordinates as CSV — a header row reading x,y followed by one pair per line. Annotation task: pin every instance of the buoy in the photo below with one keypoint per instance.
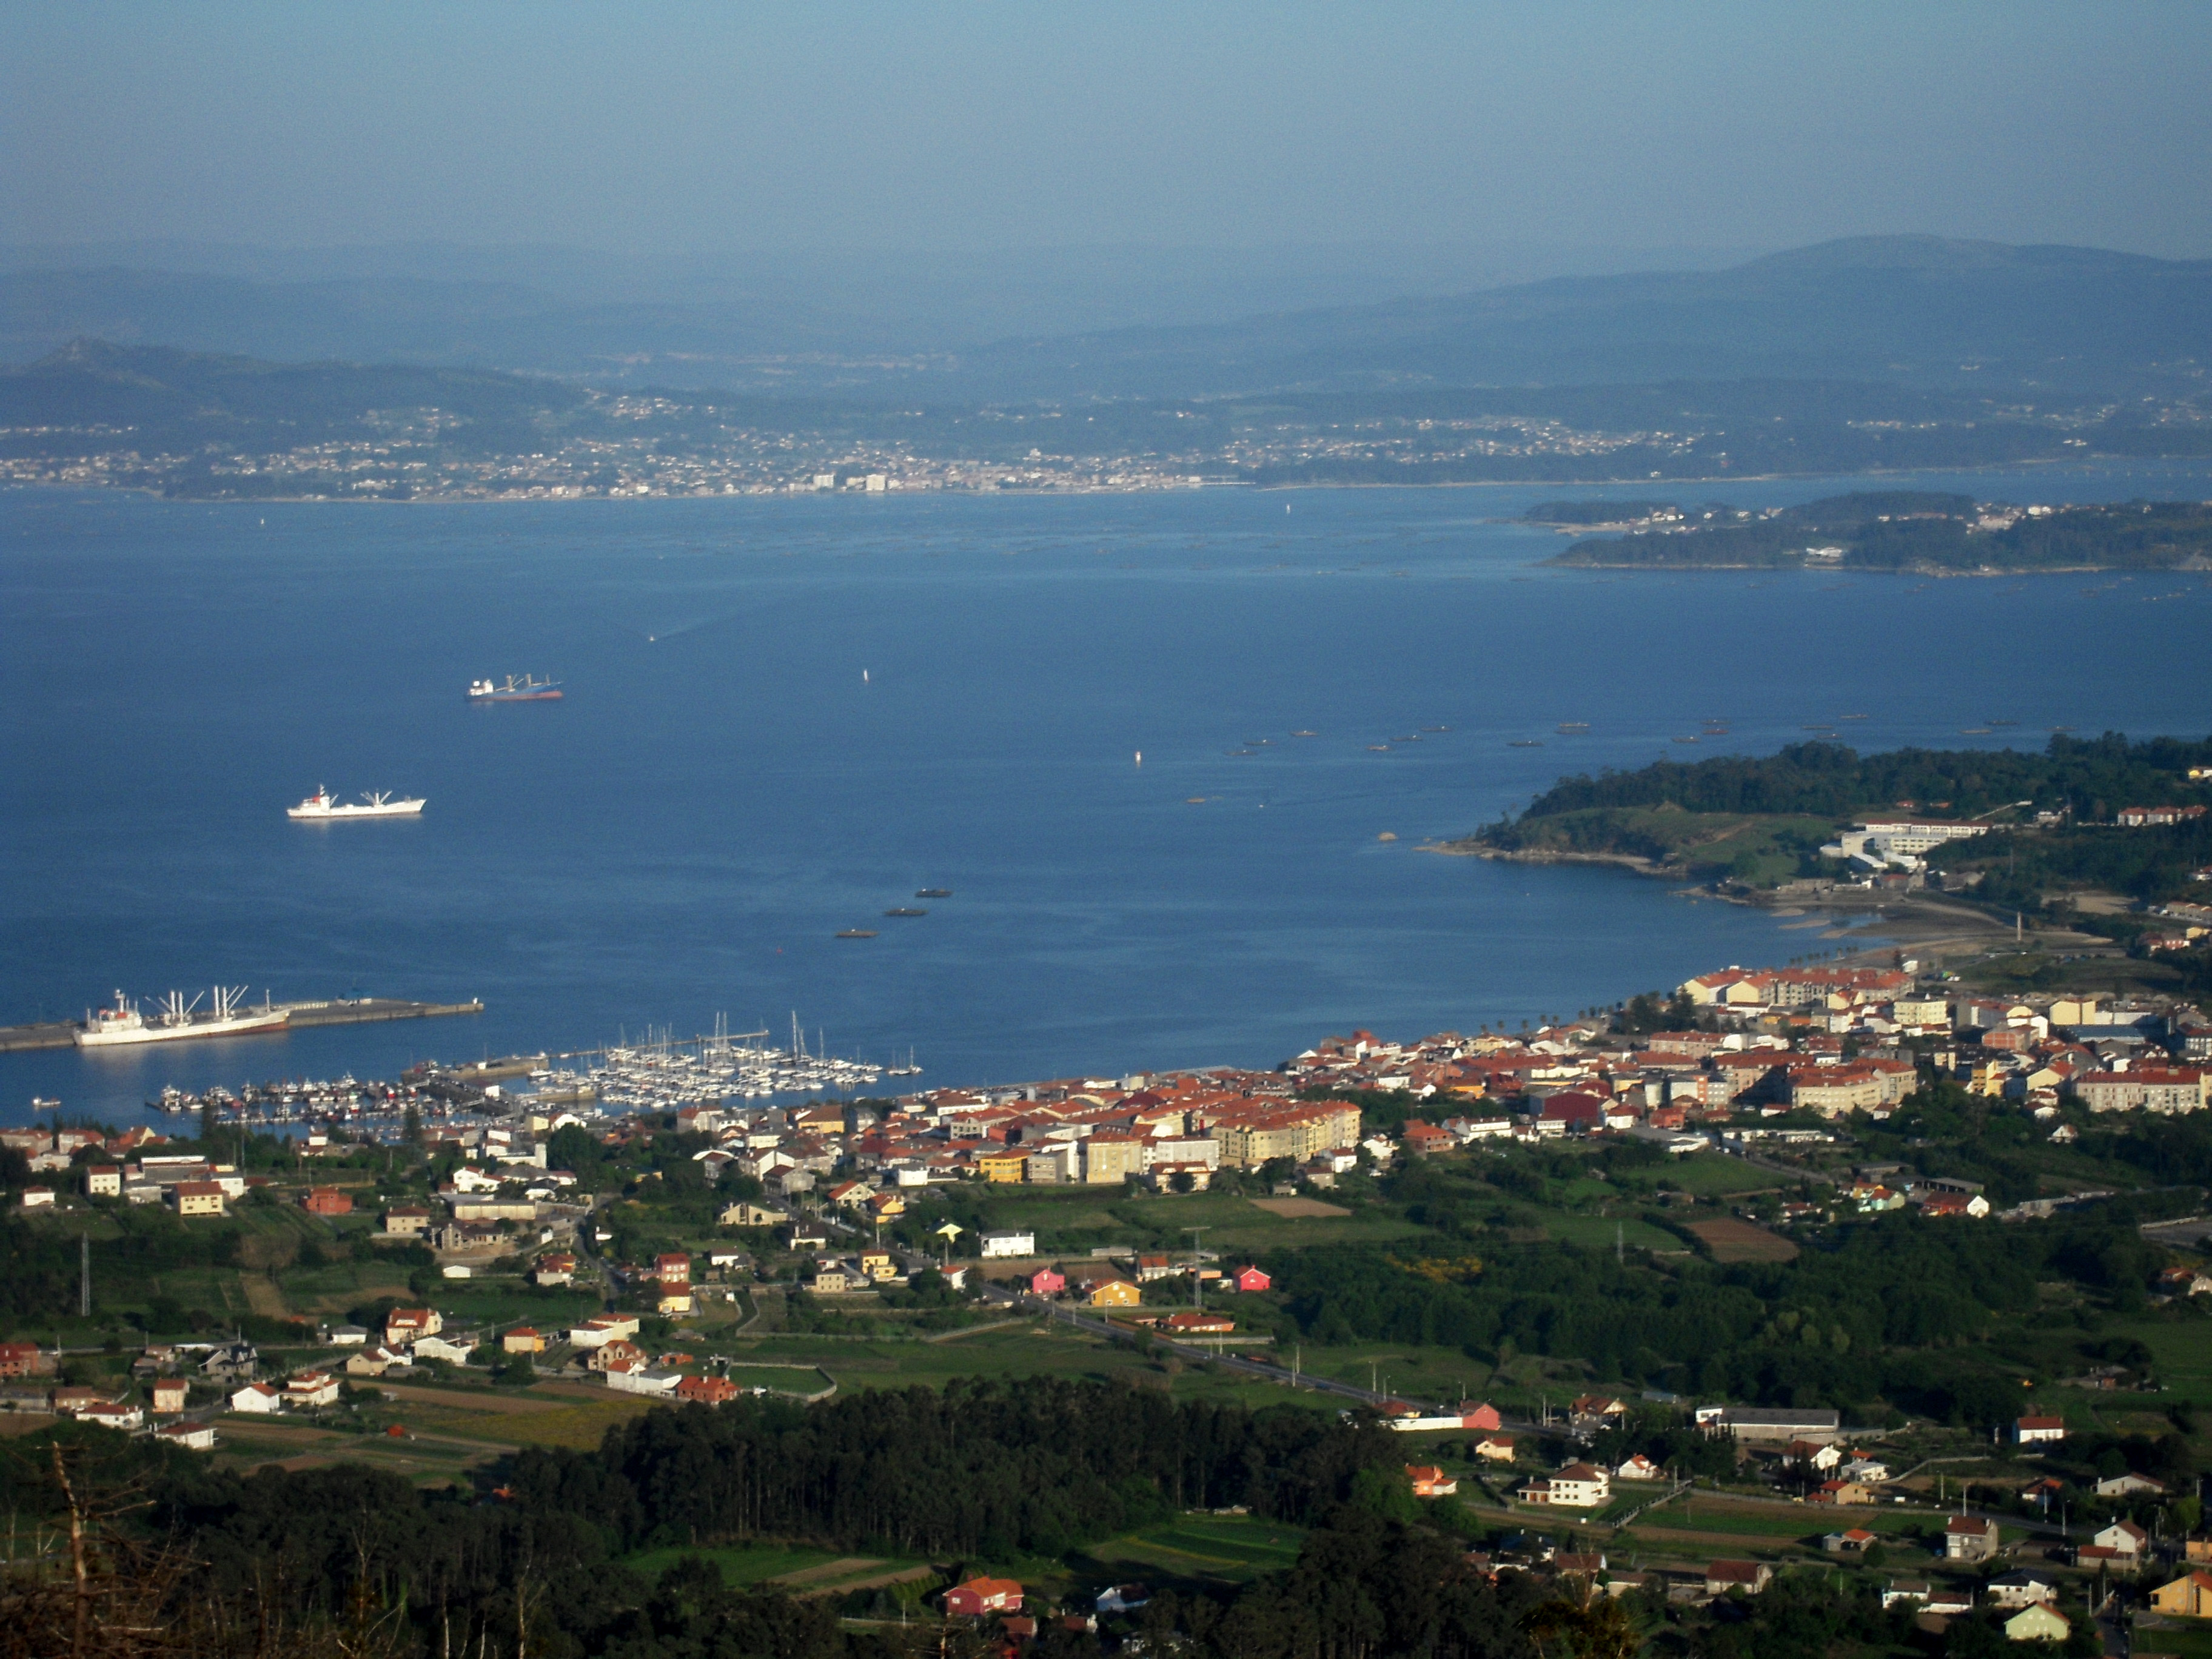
x,y
863,677
1140,757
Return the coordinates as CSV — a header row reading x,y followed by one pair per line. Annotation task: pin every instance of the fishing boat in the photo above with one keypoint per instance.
x,y
376,804
906,911
934,892
511,690
856,932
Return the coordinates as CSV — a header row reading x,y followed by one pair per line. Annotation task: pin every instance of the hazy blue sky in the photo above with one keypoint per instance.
x,y
663,127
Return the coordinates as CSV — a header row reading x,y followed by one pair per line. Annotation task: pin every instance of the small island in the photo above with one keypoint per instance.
x,y
1920,532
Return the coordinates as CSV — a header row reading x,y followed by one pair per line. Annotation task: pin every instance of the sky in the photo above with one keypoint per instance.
x,y
667,128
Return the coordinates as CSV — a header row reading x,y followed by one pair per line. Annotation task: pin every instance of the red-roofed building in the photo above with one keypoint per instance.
x,y
706,1390
326,1200
1250,1279
1047,1281
979,1596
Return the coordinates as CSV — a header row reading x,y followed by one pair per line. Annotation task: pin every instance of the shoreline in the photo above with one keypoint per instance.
x,y
1175,486
1922,920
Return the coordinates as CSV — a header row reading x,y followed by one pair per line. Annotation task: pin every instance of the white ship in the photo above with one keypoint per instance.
x,y
376,804
123,1024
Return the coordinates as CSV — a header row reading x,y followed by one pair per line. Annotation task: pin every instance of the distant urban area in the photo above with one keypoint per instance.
x,y
177,423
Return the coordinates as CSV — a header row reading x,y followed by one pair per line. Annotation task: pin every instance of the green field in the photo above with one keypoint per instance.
x,y
1219,1548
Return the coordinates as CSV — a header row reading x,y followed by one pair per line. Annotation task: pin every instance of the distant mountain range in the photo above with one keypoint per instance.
x,y
1916,309
1910,310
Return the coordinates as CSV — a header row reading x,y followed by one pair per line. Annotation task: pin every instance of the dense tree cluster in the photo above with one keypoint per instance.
x,y
2094,777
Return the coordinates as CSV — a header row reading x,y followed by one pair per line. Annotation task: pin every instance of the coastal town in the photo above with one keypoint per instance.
x,y
599,1262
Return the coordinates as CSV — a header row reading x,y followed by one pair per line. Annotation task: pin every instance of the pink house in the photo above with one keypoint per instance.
x,y
1251,1278
1480,1417
1047,1281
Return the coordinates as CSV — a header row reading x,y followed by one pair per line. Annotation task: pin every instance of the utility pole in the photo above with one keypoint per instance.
x,y
1197,1273
84,1278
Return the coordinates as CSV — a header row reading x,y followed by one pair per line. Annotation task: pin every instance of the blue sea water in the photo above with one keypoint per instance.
x,y
784,716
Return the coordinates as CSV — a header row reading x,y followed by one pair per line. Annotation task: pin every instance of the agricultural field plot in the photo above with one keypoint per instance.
x,y
1708,1173
575,1416
2171,1636
802,1570
250,1444
2182,1349
1739,1241
1223,1549
1604,1230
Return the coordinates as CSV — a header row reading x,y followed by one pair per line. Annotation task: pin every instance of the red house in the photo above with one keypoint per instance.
x,y
706,1390
1480,1417
980,1596
1047,1281
1575,1111
326,1200
1251,1278
672,1269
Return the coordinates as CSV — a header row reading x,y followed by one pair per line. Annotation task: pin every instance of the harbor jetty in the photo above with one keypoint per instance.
x,y
358,1011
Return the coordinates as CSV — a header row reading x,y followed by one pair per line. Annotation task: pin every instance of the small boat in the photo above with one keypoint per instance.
x,y
856,932
906,911
1686,739
1526,743
1436,728
1304,734
1379,748
934,892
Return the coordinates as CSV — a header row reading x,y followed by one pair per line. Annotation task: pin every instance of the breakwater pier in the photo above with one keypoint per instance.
x,y
351,1011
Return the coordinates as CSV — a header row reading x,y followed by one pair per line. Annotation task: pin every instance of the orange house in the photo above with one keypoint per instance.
x,y
326,1200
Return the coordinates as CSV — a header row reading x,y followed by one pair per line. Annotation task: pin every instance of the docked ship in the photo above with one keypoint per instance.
x,y
511,690
106,1028
377,804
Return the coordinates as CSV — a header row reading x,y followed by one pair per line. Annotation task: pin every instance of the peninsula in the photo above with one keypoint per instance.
x,y
2078,833
1903,530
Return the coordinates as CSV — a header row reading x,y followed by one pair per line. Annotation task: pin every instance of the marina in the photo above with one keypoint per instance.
x,y
659,1074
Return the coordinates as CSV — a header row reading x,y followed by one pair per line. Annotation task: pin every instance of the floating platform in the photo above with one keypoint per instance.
x,y
62,1033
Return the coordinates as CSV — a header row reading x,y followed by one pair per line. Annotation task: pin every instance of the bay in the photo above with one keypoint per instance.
x,y
786,715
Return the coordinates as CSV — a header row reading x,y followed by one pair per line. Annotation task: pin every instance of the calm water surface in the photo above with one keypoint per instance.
x,y
783,717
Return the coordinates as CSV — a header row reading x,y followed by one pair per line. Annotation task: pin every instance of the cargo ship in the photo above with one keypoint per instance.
x,y
106,1028
511,690
376,804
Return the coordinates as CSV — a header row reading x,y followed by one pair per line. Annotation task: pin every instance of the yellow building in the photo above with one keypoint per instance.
x,y
1250,1138
878,1265
1001,1165
2188,1596
1116,1293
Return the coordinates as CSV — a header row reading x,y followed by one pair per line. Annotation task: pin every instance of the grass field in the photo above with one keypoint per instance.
x,y
800,1569
1601,1231
1221,1548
